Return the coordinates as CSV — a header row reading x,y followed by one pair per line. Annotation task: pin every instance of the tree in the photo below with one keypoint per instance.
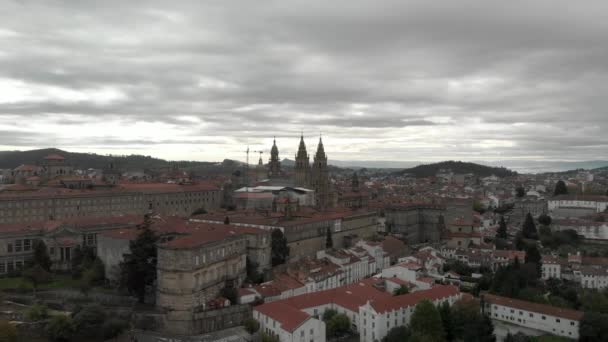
x,y
519,242
36,275
533,257
279,248
60,328
338,325
426,322
37,312
401,290
502,229
251,325
253,275
397,334
41,256
138,269
520,191
113,327
594,327
329,314
544,219
469,324
529,228
446,319
329,241
8,332
560,188
269,338
88,322
231,294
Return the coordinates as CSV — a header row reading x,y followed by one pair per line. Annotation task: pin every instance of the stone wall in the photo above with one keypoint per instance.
x,y
201,322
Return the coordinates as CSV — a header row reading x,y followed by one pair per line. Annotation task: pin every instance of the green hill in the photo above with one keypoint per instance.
x,y
458,167
12,159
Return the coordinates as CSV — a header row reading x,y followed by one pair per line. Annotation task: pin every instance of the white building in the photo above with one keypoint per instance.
x,y
597,203
529,317
371,310
594,277
551,267
378,317
374,249
288,323
408,271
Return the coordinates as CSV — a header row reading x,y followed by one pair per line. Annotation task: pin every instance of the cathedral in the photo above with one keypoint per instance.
x,y
315,176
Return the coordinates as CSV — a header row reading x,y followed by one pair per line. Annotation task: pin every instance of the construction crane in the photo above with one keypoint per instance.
x,y
247,166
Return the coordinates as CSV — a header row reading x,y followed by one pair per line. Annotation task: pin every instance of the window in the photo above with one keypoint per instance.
x,y
9,247
544,318
27,244
557,320
18,245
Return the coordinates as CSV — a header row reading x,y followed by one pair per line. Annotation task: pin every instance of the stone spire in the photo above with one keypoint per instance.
x,y
320,177
274,167
302,166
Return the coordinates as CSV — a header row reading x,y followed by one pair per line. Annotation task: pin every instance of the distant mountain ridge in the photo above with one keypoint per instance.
x,y
12,159
457,167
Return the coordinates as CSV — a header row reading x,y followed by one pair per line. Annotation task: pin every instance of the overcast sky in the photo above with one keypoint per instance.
x,y
382,80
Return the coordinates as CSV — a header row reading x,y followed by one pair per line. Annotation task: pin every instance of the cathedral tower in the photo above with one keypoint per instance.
x,y
302,167
320,178
274,167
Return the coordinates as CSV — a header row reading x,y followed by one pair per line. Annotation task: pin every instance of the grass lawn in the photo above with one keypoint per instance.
x,y
58,282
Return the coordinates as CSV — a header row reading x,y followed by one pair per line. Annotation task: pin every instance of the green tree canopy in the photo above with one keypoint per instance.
x,y
138,269
279,248
41,256
60,328
338,325
529,228
560,188
469,324
329,241
401,290
88,322
594,327
36,275
544,219
502,229
397,334
426,321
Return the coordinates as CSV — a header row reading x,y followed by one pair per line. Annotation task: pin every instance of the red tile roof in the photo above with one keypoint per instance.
x,y
54,156
411,299
350,297
534,307
200,233
289,317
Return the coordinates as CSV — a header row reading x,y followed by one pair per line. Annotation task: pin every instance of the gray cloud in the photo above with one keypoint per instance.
x,y
404,80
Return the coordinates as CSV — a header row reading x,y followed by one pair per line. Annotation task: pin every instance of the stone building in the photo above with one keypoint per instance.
x,y
61,237
42,204
306,232
198,263
416,222
54,165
